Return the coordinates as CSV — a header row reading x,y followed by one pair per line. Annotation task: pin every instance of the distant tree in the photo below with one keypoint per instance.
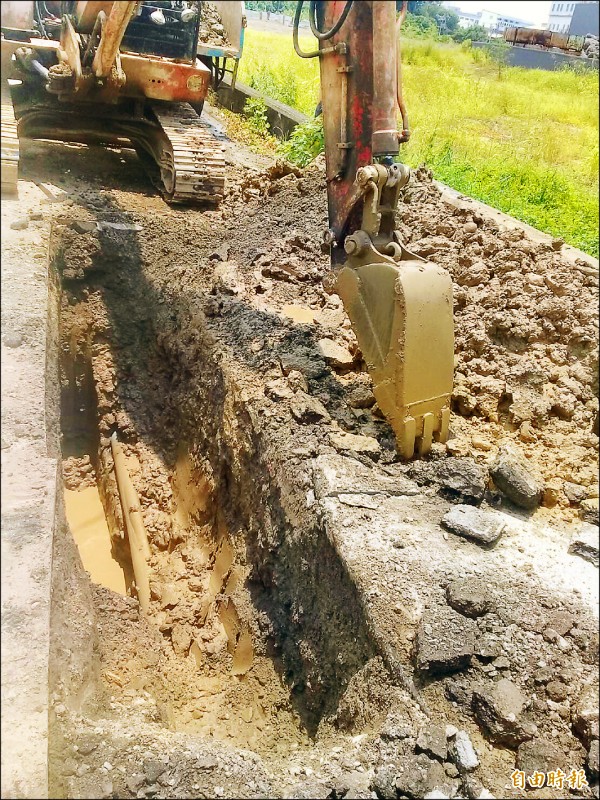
x,y
475,33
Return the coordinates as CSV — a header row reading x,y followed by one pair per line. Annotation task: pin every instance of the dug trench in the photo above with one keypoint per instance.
x,y
278,514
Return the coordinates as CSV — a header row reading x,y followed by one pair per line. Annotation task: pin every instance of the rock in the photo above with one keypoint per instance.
x,y
540,755
355,443
12,340
462,478
153,769
279,389
474,523
445,641
432,742
589,510
297,382
470,227
360,396
220,254
181,639
575,492
384,782
226,279
19,224
498,711
560,621
592,759
334,354
514,480
556,691
584,714
586,543
308,790
469,596
84,225
418,776
474,789
306,409
458,693
463,753
133,782
36,215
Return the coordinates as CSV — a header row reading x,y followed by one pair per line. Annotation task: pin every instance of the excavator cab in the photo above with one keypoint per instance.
x,y
400,305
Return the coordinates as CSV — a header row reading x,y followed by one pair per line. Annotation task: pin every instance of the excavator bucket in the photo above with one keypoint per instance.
x,y
402,318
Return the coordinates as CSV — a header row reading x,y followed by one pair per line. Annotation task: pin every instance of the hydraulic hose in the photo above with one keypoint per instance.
x,y
323,35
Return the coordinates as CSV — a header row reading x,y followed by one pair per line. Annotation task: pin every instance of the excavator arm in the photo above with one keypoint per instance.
x,y
400,305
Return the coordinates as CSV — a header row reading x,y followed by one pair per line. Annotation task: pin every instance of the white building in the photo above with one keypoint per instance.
x,y
498,23
561,15
466,19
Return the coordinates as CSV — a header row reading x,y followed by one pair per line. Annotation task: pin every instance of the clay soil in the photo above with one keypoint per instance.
x,y
192,334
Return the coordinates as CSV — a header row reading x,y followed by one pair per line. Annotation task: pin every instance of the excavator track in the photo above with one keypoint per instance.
x,y
10,143
194,169
184,160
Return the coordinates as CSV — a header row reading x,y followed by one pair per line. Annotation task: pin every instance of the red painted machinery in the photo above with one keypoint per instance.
x,y
113,73
400,305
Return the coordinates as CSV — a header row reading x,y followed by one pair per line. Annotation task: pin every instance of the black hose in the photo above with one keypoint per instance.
x,y
312,17
299,52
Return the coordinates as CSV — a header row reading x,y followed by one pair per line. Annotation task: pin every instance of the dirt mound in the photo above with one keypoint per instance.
x,y
526,363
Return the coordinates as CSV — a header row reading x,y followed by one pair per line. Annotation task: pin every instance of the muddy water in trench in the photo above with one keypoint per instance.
x,y
85,515
211,678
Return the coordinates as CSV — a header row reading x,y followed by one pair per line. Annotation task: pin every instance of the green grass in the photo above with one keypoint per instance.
x,y
524,141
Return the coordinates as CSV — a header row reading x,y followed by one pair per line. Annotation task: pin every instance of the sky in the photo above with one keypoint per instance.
x,y
535,11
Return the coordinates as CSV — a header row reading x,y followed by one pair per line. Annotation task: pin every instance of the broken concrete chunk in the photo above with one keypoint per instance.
x,y
469,596
432,742
498,711
355,443
463,753
589,510
473,523
512,477
445,641
584,715
462,478
586,543
85,225
306,409
334,354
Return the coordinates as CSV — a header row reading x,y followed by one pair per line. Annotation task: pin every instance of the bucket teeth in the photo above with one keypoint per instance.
x,y
402,317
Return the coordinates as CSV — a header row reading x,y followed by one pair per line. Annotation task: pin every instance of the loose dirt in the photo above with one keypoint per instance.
x,y
264,667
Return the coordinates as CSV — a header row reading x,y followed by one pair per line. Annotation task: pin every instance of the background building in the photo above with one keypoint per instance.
x,y
492,20
563,14
498,23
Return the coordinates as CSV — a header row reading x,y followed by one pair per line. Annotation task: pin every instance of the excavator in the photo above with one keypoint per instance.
x,y
128,73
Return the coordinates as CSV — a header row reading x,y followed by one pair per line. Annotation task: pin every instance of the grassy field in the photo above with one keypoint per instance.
x,y
524,141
